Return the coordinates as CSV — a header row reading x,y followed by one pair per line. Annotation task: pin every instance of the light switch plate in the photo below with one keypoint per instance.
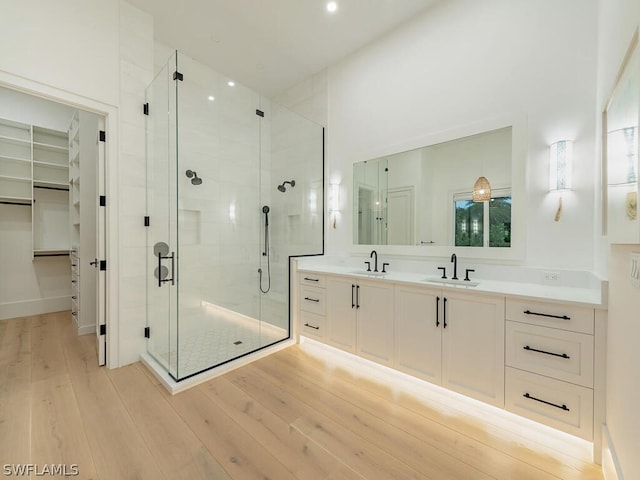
x,y
635,269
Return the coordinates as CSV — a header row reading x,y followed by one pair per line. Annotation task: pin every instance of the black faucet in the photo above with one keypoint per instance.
x,y
374,255
454,259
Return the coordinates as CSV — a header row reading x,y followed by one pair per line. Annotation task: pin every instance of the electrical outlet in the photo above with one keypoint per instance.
x,y
551,276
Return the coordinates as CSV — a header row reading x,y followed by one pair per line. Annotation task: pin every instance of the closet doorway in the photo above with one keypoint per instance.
x,y
52,212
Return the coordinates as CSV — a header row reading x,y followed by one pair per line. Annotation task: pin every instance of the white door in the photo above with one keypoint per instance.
x,y
341,313
418,332
400,216
100,272
374,306
473,346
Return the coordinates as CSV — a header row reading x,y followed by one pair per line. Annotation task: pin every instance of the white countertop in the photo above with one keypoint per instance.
x,y
593,297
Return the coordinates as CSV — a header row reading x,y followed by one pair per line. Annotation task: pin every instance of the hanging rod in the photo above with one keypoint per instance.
x,y
15,203
51,255
51,188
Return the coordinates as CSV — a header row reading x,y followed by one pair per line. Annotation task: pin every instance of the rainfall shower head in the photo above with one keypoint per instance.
x,y
282,187
195,180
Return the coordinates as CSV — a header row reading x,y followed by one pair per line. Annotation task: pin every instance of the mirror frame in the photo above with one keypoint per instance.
x,y
519,153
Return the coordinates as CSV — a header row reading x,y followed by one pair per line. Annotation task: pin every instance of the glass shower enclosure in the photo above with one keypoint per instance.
x,y
234,189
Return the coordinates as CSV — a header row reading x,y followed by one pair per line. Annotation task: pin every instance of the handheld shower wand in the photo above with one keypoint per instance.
x,y
265,252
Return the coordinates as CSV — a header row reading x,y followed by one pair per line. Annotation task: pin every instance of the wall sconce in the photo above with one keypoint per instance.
x,y
560,168
333,199
560,165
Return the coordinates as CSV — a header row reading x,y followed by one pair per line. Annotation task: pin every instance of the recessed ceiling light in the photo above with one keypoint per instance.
x,y
231,83
332,7
211,98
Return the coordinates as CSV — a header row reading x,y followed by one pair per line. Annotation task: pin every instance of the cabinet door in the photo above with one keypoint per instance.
x,y
341,313
418,332
473,346
375,321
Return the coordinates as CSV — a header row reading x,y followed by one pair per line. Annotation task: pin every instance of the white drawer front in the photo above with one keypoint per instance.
x,y
312,300
556,315
312,325
312,280
558,404
555,353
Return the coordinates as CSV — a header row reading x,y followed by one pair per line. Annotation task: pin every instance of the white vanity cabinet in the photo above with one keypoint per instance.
x,y
312,302
360,317
453,339
550,364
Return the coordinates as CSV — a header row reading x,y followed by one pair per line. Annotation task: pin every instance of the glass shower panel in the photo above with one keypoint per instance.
x,y
219,219
162,233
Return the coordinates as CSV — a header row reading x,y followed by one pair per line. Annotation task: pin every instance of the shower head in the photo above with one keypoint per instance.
x,y
282,187
195,180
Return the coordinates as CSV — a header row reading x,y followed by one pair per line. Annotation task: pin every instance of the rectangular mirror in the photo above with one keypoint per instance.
x,y
423,197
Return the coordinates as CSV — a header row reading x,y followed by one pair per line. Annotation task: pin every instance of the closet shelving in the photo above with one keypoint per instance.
x,y
34,171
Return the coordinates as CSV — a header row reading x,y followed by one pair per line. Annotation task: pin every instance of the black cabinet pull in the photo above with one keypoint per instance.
x,y
312,299
357,296
353,302
561,317
437,311
311,326
561,407
562,355
444,313
311,279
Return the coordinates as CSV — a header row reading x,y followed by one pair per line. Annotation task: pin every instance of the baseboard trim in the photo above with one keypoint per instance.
x,y
34,307
610,465
86,329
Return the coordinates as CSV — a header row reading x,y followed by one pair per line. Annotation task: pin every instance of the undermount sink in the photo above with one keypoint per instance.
x,y
368,274
450,282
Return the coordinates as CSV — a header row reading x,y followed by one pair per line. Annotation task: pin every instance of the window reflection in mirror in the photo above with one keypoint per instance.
x,y
423,196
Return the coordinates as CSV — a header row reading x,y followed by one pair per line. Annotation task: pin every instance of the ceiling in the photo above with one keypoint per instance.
x,y
270,45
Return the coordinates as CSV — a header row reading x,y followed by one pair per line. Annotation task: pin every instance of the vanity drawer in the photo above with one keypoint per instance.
x,y
560,405
548,351
313,280
312,300
312,325
555,315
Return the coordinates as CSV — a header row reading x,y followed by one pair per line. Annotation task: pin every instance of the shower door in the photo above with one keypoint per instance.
x,y
162,241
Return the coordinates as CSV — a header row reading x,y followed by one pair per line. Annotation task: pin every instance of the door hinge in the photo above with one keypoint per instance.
x,y
103,200
260,113
147,221
103,136
178,76
103,329
103,265
145,108
147,332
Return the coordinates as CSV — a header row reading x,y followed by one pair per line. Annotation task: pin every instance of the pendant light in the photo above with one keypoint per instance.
x,y
481,190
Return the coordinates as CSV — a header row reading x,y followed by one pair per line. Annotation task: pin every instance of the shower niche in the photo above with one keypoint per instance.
x,y
218,156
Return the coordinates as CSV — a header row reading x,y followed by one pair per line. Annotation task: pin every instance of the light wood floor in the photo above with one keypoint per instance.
x,y
303,413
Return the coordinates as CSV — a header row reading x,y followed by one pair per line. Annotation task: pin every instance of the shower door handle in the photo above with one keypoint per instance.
x,y
161,273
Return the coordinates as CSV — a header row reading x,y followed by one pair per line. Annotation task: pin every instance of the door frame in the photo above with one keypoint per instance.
x,y
110,114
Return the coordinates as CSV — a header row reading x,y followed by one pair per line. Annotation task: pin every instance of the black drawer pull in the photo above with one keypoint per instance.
x,y
312,299
561,407
311,279
561,317
562,355
311,326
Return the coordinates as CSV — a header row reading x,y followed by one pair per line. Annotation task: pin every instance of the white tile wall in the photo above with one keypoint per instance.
x,y
136,72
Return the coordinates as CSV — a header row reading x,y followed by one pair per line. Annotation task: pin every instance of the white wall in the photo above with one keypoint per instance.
x,y
68,44
618,19
466,61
